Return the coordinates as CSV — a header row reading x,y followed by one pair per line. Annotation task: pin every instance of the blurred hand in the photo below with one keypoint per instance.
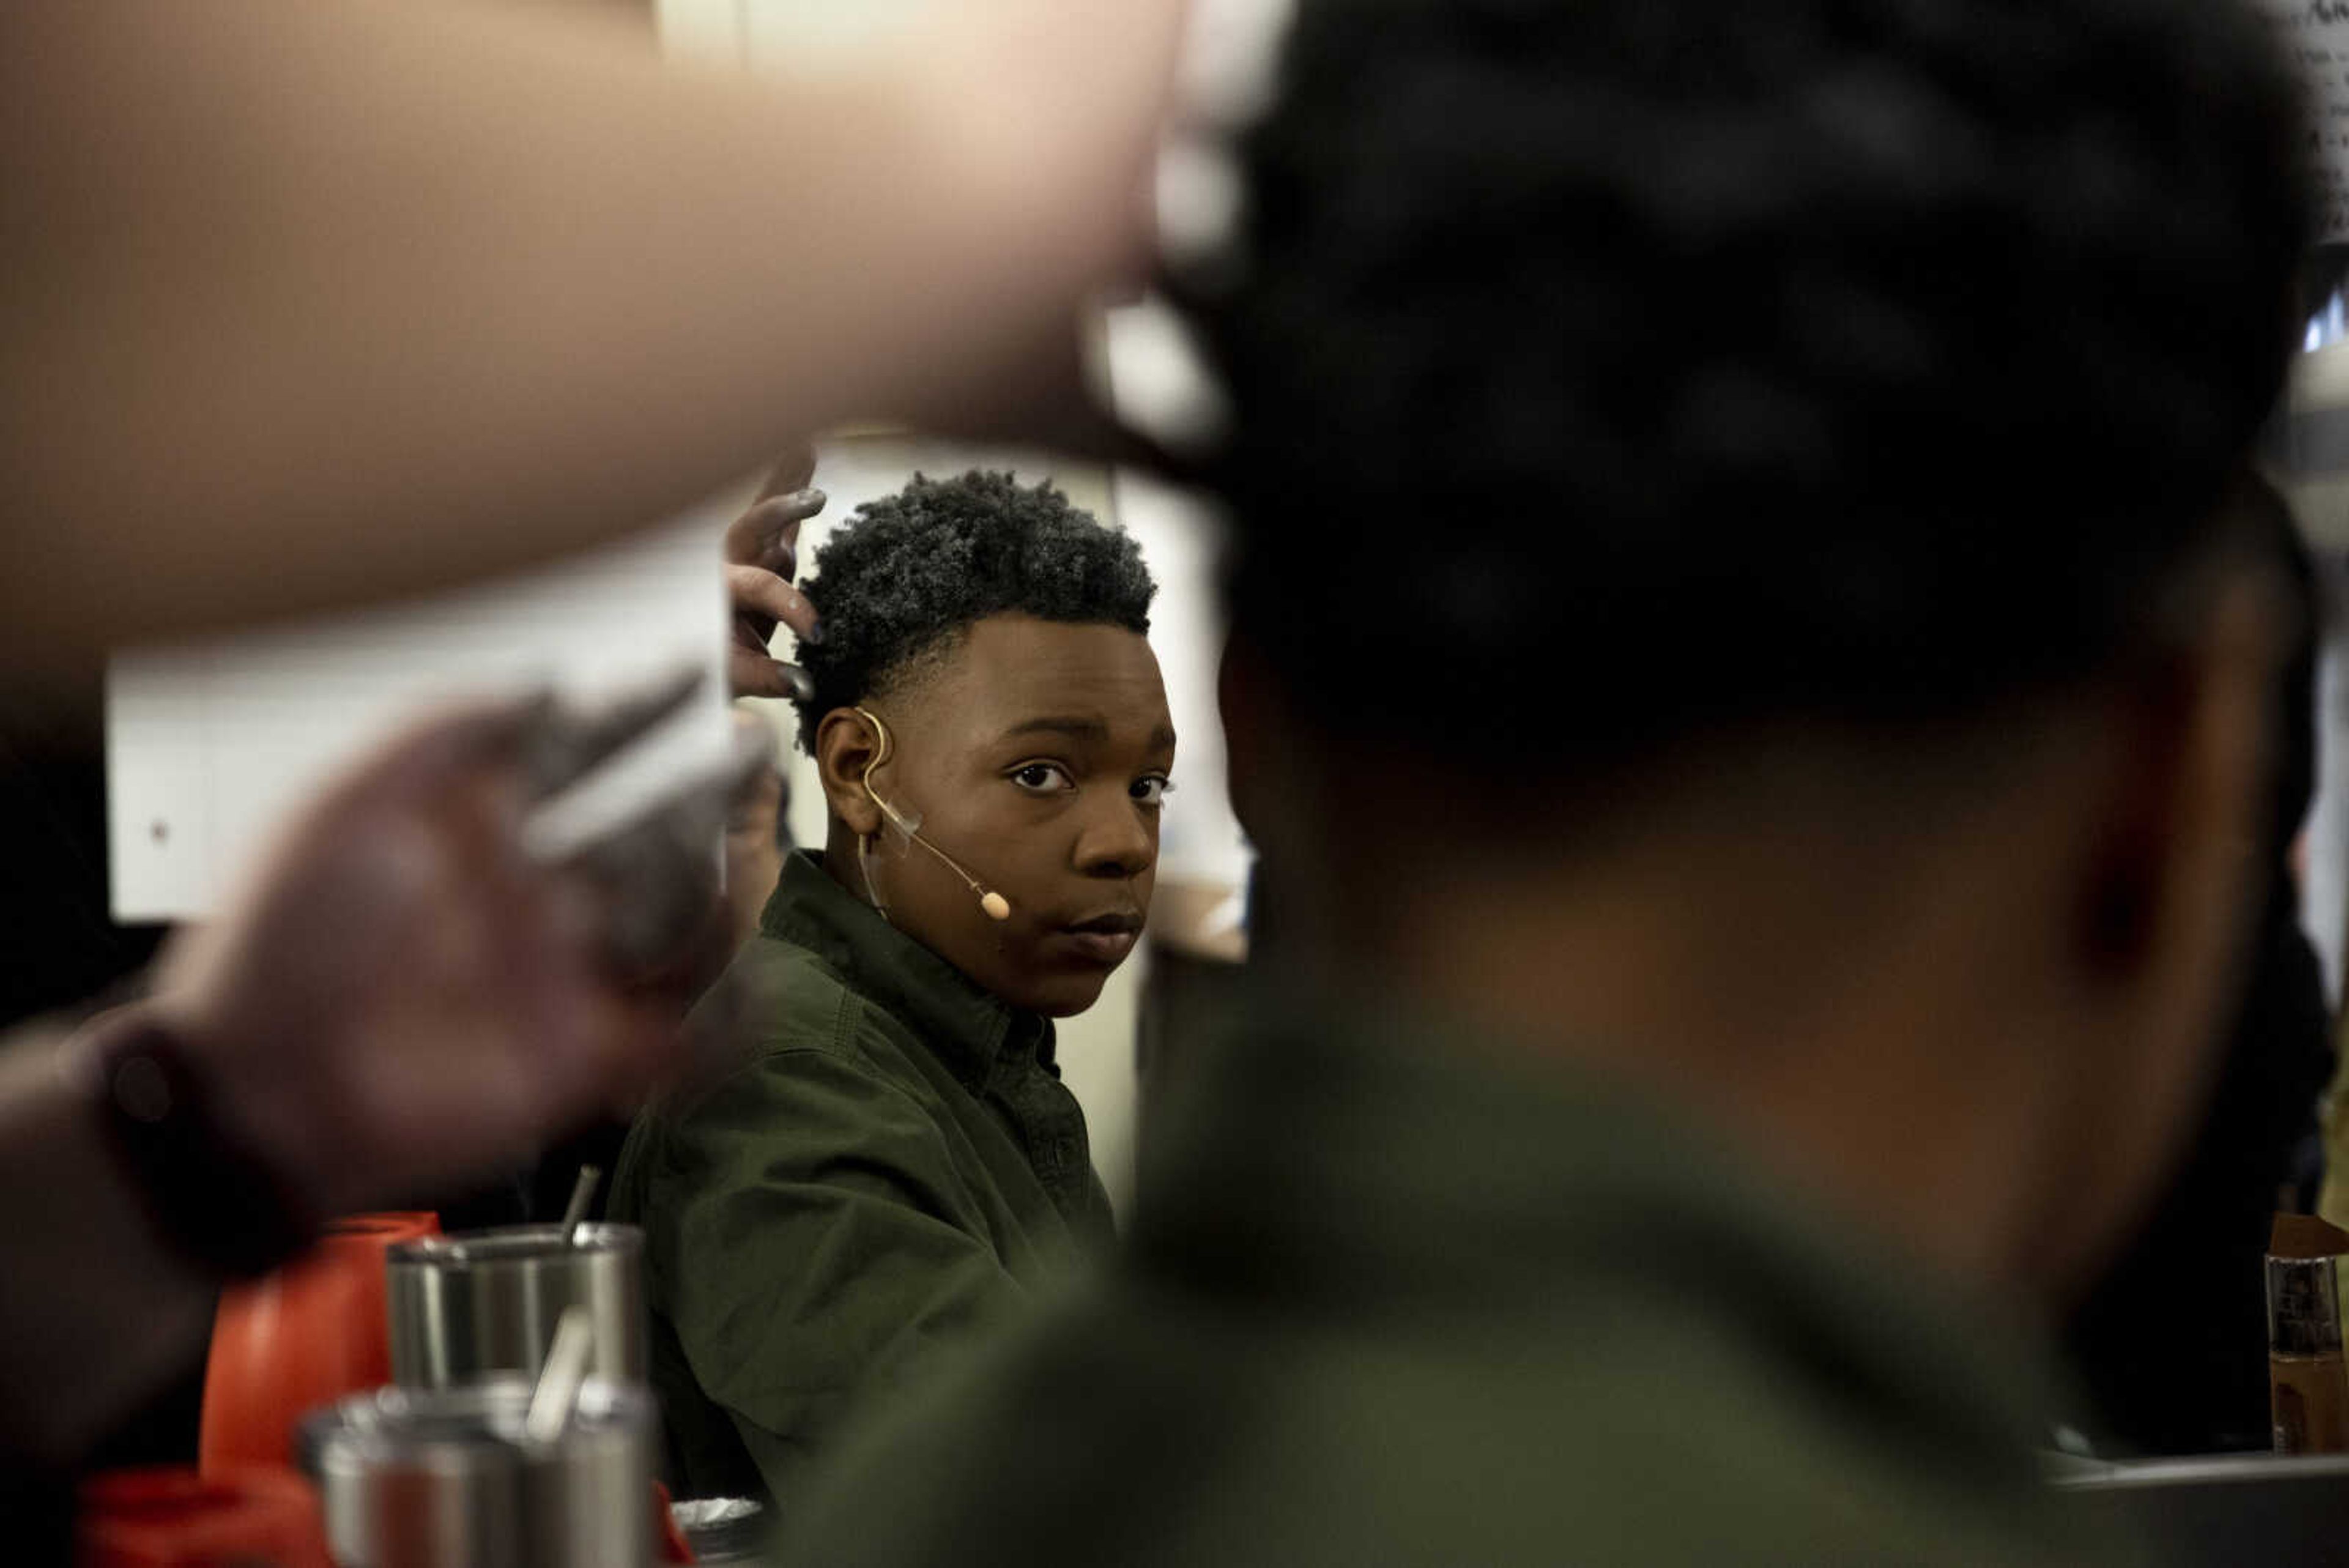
x,y
403,999
761,559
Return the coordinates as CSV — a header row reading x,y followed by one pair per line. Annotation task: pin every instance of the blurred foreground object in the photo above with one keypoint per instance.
x,y
2169,1342
467,1477
251,1517
464,969
305,305
406,995
758,837
299,1337
2219,1512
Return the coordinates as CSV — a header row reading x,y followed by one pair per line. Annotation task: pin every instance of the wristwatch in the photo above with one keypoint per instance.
x,y
215,1198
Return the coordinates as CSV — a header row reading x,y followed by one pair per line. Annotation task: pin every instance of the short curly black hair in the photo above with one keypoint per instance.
x,y
897,584
1686,363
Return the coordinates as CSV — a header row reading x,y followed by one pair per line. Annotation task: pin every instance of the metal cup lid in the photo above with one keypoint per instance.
x,y
507,1245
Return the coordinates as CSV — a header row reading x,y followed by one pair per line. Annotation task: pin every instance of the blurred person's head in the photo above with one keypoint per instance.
x,y
1731,578
758,837
984,658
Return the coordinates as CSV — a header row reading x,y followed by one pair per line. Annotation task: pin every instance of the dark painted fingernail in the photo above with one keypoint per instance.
x,y
802,688
813,635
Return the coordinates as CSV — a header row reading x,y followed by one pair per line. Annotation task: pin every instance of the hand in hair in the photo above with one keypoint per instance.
x,y
761,558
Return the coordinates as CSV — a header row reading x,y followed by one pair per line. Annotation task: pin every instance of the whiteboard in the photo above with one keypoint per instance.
x,y
211,743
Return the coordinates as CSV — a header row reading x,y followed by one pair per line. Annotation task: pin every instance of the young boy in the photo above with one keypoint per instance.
x,y
900,1167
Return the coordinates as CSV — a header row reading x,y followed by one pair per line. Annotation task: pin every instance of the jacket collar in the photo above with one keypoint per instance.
x,y
967,1028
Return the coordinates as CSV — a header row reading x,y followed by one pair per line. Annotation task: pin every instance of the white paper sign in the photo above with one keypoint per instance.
x,y
209,744
2317,33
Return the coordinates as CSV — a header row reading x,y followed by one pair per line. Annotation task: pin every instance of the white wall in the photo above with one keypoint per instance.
x,y
2318,491
2324,907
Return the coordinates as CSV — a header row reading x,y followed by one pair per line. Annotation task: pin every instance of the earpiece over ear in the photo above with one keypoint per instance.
x,y
995,905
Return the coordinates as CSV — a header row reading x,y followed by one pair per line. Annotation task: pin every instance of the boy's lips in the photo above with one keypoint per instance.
x,y
1109,922
1105,939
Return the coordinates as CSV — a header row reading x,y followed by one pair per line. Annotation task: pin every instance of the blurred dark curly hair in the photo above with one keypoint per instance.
x,y
900,581
1663,364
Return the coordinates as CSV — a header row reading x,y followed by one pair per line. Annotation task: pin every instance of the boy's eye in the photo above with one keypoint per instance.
x,y
1151,791
1042,778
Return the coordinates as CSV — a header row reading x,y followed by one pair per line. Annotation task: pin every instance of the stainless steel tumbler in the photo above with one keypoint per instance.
x,y
486,1301
448,1478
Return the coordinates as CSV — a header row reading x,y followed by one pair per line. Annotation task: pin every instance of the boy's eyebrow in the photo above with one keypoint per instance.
x,y
1075,729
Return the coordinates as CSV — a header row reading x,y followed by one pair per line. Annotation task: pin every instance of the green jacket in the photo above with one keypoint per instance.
x,y
1390,1298
893,1175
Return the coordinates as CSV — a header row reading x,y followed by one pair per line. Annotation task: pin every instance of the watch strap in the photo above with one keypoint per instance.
x,y
215,1199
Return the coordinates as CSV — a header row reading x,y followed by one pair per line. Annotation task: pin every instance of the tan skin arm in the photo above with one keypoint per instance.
x,y
303,303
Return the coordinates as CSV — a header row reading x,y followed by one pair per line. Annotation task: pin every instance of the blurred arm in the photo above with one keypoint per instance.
x,y
400,1000
98,1307
302,303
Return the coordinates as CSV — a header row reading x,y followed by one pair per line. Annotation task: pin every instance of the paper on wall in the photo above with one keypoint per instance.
x,y
2317,33
211,743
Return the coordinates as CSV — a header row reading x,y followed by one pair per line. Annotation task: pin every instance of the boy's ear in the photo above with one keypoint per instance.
x,y
845,746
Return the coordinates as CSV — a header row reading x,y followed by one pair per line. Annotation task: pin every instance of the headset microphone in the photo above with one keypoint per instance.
x,y
996,906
